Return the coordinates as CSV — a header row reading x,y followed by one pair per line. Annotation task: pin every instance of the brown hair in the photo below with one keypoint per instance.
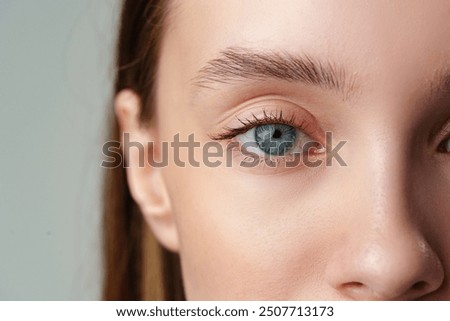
x,y
136,267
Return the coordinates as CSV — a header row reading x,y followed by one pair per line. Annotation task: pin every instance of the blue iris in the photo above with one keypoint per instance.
x,y
275,139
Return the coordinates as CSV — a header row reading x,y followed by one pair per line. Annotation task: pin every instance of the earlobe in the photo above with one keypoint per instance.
x,y
146,183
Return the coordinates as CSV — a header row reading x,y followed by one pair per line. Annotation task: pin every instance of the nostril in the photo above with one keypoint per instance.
x,y
354,290
419,286
353,285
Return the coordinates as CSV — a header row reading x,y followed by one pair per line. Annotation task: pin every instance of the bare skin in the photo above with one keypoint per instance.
x,y
376,229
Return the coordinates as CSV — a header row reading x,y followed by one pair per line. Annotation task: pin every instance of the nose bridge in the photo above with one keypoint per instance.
x,y
386,169
393,235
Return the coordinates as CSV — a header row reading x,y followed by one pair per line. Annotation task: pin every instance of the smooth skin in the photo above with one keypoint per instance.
x,y
376,229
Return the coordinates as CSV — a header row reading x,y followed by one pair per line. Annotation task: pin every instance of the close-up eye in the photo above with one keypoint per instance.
x,y
275,136
276,140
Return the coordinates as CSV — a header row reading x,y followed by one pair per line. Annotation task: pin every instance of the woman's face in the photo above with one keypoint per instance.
x,y
369,216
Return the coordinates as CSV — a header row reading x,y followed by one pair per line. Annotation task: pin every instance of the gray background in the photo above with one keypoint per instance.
x,y
55,85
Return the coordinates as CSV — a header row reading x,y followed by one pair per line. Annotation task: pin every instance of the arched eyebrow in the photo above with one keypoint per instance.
x,y
237,64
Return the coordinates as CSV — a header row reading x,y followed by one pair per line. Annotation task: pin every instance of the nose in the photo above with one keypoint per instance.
x,y
383,252
399,266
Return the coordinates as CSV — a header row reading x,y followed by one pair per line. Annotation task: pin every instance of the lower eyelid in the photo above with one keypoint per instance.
x,y
272,165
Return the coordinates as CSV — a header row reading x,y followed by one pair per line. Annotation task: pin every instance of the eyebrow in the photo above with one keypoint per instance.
x,y
236,64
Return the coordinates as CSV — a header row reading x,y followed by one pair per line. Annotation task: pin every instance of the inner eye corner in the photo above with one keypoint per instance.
x,y
444,146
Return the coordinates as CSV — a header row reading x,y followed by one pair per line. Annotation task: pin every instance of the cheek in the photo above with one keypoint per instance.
x,y
247,237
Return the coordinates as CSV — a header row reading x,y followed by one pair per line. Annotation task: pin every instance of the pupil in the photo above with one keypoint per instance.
x,y
277,133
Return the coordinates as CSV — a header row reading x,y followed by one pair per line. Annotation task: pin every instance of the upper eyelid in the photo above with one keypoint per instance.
x,y
254,121
269,119
443,133
249,123
442,139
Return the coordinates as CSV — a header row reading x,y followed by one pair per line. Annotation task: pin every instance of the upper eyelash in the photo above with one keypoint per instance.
x,y
249,123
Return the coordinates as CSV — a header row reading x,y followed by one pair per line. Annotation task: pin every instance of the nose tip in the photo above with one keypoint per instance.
x,y
387,272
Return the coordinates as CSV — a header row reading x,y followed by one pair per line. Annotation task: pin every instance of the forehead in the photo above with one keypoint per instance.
x,y
410,37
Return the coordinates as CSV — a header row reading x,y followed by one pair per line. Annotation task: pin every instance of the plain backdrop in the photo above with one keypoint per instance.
x,y
56,74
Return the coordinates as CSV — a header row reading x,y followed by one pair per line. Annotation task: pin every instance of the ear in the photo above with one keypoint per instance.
x,y
146,183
